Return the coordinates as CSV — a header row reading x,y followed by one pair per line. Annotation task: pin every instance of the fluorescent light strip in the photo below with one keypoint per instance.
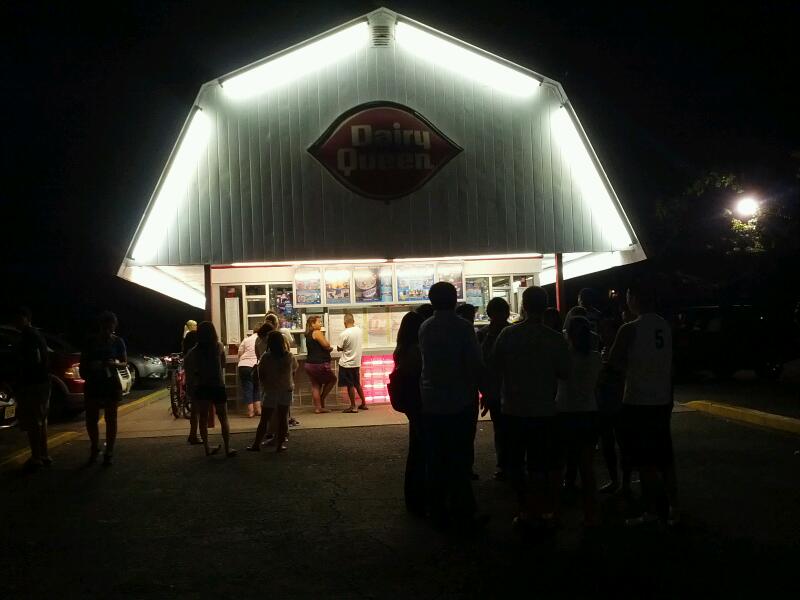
x,y
464,62
471,257
590,263
292,263
173,187
155,279
586,175
297,63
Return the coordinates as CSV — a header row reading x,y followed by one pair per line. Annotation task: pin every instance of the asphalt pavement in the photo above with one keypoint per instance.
x,y
326,520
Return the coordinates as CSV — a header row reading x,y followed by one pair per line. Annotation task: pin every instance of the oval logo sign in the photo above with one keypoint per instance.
x,y
383,150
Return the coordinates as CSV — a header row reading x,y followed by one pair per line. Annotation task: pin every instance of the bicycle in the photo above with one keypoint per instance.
x,y
179,402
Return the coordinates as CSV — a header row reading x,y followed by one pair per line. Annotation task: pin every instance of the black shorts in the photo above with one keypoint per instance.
x,y
349,376
533,442
646,435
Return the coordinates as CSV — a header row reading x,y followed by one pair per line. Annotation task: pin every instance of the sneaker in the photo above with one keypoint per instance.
x,y
609,488
642,519
293,422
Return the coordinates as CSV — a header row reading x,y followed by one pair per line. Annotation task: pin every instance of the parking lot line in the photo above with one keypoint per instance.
x,y
748,415
53,441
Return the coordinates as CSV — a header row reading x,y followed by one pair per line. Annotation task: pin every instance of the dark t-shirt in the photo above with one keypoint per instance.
x,y
33,359
491,384
189,342
100,377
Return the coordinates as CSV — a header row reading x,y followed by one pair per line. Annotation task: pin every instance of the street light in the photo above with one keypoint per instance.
x,y
747,208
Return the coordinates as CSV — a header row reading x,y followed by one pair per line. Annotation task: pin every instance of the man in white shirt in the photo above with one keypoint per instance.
x,y
643,351
350,363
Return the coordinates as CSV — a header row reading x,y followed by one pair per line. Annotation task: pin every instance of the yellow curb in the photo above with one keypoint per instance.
x,y
53,441
137,404
748,415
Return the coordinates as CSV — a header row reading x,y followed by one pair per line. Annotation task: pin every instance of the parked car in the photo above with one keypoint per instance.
x,y
725,339
8,407
66,394
146,367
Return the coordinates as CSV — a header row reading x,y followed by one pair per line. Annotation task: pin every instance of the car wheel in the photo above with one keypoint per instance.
x,y
134,375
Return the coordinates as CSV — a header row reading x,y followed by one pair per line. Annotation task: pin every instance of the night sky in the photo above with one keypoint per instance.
x,y
95,96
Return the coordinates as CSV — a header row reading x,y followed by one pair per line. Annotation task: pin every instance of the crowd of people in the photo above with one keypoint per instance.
x,y
553,392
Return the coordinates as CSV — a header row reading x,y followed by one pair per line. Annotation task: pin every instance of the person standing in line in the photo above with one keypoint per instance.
x,y
32,387
408,370
104,354
610,389
247,384
205,378
318,363
552,318
276,377
189,336
189,341
498,312
425,311
350,363
577,411
451,366
585,308
261,337
530,358
272,317
643,351
467,312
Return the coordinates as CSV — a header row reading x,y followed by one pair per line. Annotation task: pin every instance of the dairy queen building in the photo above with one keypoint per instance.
x,y
350,172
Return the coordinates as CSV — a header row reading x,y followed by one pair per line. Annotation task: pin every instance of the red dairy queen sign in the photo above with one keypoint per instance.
x,y
383,150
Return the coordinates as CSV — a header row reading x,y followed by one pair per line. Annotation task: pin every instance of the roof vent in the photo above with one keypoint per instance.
x,y
381,28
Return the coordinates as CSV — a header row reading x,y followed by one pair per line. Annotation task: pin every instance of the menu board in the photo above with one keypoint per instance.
x,y
413,282
337,285
373,284
378,327
308,286
452,273
396,315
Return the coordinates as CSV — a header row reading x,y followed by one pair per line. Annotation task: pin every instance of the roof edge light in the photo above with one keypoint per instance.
x,y
587,175
465,62
173,186
297,63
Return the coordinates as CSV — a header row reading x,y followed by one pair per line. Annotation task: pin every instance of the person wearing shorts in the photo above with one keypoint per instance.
x,y
530,359
318,363
205,379
276,377
350,363
32,387
643,350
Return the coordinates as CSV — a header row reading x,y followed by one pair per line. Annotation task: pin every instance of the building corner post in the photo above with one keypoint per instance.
x,y
207,287
560,282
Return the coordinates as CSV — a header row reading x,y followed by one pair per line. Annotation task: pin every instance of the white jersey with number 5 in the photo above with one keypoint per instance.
x,y
648,377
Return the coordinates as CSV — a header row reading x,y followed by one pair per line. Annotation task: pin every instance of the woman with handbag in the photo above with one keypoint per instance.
x,y
101,358
205,379
406,397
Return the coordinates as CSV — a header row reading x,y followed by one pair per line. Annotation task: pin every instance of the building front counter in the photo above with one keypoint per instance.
x,y
376,365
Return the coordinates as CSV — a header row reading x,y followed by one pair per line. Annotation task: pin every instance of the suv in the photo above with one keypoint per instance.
x,y
66,384
725,339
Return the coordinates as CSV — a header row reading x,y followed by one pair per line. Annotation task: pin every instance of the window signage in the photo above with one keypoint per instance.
x,y
383,150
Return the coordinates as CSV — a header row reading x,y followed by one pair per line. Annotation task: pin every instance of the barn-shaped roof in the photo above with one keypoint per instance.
x,y
247,182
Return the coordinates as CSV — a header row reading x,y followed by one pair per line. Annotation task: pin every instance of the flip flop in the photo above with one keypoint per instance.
x,y
349,410
319,412
363,407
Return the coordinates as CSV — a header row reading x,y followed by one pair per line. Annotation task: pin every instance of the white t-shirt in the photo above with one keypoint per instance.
x,y
643,348
577,394
247,351
350,343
